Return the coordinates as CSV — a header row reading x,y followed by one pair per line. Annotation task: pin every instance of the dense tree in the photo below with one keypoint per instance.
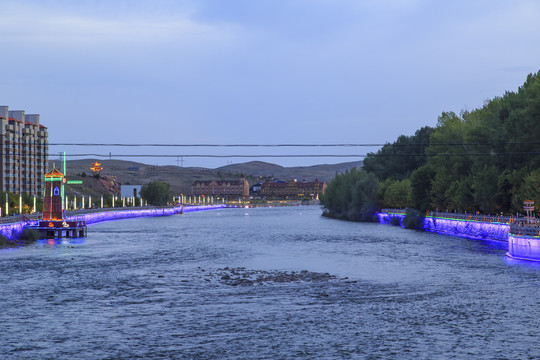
x,y
484,160
491,172
399,159
531,187
460,195
395,193
157,193
484,185
421,180
351,196
440,184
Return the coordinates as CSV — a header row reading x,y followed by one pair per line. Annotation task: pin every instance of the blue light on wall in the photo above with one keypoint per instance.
x,y
12,231
525,248
519,247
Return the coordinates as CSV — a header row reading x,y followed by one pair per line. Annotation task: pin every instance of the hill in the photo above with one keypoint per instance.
x,y
180,178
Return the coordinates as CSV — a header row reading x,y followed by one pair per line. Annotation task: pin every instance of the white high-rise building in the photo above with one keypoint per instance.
x,y
23,149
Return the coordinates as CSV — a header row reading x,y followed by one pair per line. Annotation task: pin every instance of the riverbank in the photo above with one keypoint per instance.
x,y
13,230
470,226
521,236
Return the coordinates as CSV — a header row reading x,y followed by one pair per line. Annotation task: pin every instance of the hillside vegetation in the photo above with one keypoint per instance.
x,y
118,172
486,160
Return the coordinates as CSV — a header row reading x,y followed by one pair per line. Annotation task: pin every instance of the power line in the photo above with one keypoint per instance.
x,y
110,155
213,156
300,145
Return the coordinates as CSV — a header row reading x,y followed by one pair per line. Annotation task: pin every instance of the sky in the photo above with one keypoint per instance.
x,y
257,71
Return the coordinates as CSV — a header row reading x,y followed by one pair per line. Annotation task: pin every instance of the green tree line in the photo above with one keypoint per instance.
x,y
486,160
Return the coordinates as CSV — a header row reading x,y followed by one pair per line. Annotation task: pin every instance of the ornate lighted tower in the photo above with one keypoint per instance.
x,y
53,202
54,223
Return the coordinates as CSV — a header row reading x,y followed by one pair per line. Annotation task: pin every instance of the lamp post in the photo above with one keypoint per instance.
x,y
528,206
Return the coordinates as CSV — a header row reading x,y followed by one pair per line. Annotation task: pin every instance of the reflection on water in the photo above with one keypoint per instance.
x,y
63,241
275,283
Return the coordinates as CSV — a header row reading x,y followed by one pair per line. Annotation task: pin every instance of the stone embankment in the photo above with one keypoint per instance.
x,y
486,227
521,234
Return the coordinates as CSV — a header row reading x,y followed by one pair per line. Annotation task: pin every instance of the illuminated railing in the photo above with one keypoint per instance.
x,y
524,228
468,217
38,216
19,218
126,213
12,229
473,217
394,211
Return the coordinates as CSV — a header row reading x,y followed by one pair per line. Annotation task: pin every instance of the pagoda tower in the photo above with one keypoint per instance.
x,y
53,202
54,224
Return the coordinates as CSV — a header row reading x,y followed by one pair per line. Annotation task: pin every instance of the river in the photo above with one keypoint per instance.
x,y
266,283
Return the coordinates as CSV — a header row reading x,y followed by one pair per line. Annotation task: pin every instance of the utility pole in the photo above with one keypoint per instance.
x,y
180,161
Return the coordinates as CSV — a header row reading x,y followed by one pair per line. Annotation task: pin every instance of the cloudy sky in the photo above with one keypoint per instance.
x,y
257,71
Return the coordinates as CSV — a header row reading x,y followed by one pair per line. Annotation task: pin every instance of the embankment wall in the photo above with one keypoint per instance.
x,y
465,228
12,231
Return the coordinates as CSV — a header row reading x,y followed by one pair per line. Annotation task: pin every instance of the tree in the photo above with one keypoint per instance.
x,y
397,194
484,160
364,203
439,187
351,196
485,188
460,196
156,193
421,188
399,159
530,190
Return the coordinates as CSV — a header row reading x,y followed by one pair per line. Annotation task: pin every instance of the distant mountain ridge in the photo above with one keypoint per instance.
x,y
323,172
181,178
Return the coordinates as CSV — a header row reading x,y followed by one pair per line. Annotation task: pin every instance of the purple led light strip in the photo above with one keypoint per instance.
x,y
12,231
127,214
519,247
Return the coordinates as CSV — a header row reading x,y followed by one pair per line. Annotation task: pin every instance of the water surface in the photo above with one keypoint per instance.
x,y
160,288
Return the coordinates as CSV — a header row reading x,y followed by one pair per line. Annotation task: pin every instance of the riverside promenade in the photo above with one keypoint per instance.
x,y
521,233
11,227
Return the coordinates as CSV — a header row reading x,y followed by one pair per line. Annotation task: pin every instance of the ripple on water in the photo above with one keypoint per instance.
x,y
232,286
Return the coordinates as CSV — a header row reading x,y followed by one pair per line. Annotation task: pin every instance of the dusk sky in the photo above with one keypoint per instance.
x,y
257,71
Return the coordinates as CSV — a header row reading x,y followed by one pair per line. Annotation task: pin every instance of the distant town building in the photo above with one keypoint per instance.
x,y
128,191
23,148
226,189
255,190
292,189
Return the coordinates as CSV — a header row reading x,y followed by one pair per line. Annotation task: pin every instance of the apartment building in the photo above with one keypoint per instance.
x,y
23,152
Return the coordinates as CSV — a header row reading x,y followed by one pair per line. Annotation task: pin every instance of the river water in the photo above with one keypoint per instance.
x,y
266,283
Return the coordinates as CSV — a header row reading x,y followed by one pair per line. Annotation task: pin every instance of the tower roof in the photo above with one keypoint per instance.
x,y
54,173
